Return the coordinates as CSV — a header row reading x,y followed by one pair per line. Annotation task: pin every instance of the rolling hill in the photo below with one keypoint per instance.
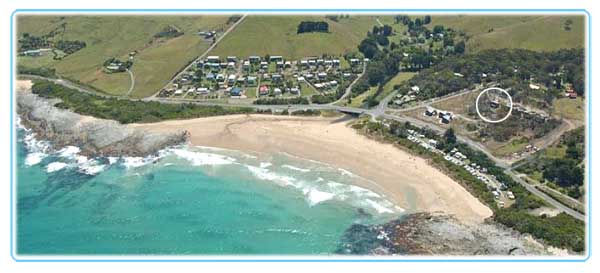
x,y
276,35
540,33
116,36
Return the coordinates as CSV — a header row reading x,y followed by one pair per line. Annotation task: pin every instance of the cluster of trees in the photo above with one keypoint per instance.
x,y
313,26
123,66
69,47
518,123
575,142
126,111
509,67
560,231
336,18
169,32
39,71
281,100
387,59
307,112
233,19
407,21
31,42
566,172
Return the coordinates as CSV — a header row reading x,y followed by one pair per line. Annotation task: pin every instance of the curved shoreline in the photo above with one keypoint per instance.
x,y
406,180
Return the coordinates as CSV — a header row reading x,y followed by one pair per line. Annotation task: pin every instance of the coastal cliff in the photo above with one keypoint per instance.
x,y
436,234
97,137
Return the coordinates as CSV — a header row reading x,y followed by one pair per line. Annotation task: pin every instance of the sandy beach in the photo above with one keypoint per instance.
x,y
404,179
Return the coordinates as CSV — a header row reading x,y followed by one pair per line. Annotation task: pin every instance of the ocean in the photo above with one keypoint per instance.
x,y
184,201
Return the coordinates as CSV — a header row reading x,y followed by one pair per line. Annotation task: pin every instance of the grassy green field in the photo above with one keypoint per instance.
x,y
570,108
387,89
116,36
276,35
398,79
541,33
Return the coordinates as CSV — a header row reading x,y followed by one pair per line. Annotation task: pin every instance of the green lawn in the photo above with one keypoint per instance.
x,y
387,89
570,108
398,79
530,32
116,36
306,90
276,35
250,92
35,62
510,147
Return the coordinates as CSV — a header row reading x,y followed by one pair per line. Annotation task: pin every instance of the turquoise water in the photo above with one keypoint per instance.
x,y
187,200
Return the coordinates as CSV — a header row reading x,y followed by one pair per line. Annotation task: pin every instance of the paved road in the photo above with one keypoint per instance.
x,y
544,196
375,113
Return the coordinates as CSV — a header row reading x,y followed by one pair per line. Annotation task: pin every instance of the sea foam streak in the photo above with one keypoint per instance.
x,y
200,158
295,168
56,166
319,190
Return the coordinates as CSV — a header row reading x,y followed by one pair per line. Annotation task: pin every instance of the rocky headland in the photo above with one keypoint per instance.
x,y
95,137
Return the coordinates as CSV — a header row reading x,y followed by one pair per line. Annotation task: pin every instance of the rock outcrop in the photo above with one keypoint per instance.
x,y
436,234
95,137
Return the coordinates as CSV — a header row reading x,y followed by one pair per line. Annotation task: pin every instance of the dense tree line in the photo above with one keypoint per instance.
x,y
169,32
69,47
281,100
566,172
39,71
509,67
127,111
31,42
312,26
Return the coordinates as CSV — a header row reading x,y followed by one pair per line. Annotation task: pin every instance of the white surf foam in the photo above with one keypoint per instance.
x,y
264,174
37,149
91,167
265,164
295,168
56,166
34,158
380,208
200,158
69,151
316,196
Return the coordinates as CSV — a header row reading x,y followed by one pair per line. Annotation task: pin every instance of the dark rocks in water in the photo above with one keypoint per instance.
x,y
436,234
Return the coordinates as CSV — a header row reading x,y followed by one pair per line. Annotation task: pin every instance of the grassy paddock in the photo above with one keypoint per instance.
x,y
540,33
276,35
116,36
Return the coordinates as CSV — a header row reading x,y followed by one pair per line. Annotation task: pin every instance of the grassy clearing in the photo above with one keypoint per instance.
x,y
35,62
116,36
360,99
570,108
540,33
306,90
276,35
512,146
398,79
